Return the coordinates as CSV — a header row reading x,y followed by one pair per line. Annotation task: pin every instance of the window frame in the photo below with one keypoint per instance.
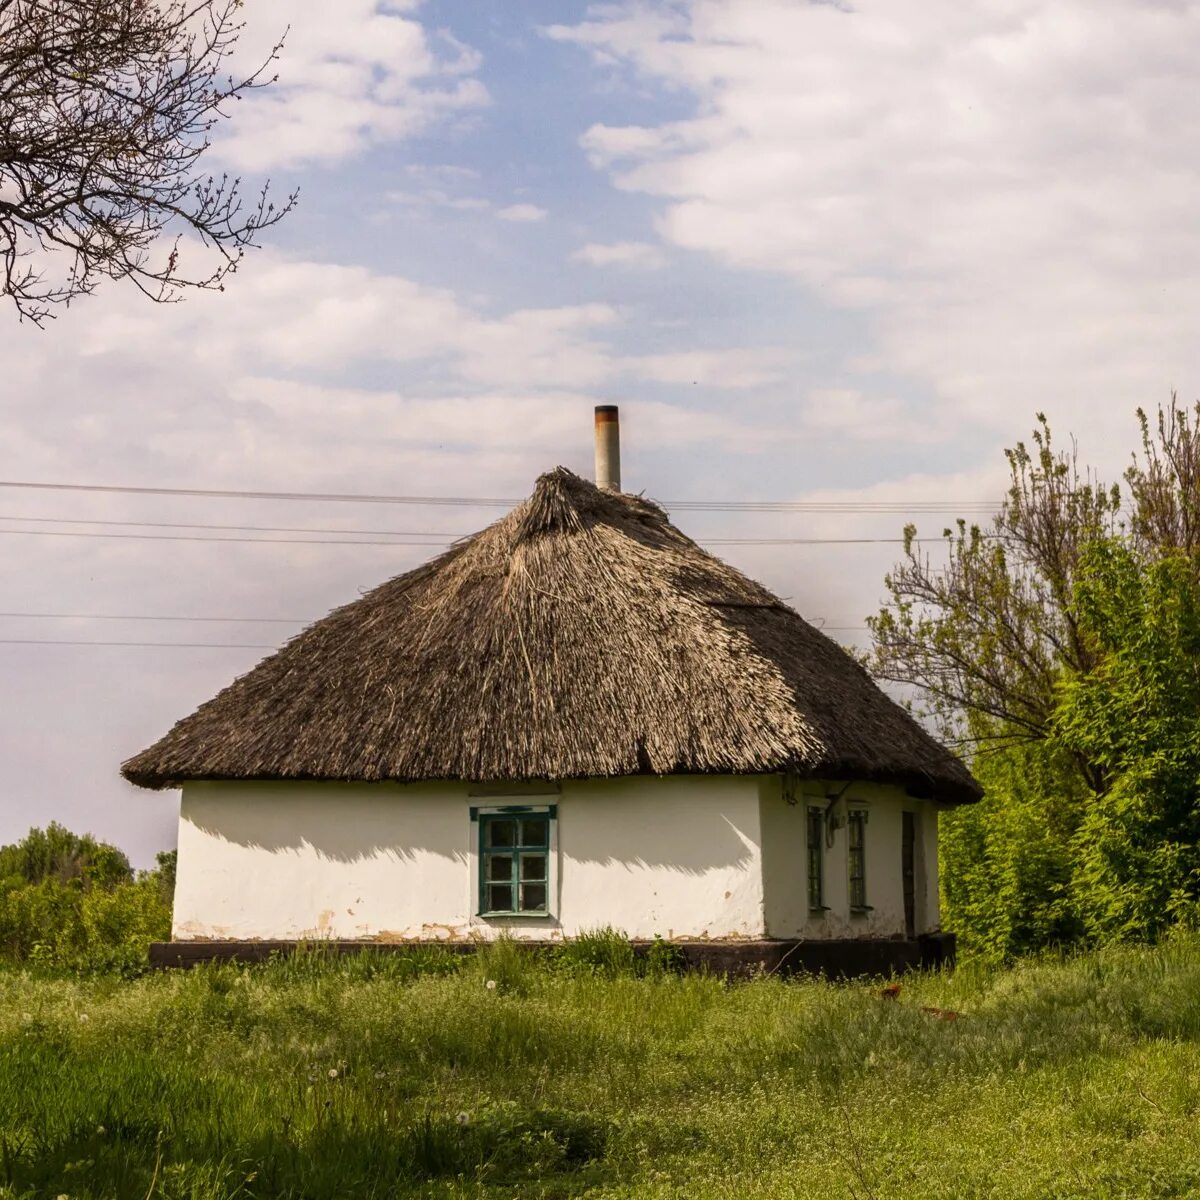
x,y
481,817
857,817
815,854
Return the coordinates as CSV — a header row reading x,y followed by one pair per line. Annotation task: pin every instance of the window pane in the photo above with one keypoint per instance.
x,y
816,831
533,897
499,867
535,831
501,832
533,866
499,897
858,860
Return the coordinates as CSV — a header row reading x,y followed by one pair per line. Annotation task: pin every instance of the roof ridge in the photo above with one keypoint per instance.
x,y
564,502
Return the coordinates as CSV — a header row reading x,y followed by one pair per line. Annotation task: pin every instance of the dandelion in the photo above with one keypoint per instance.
x,y
84,1018
333,1072
463,1118
101,1130
380,1074
490,985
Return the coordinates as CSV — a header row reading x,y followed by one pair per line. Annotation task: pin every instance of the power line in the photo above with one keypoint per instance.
x,y
447,538
428,544
839,506
421,533
187,645
811,541
153,617
143,645
231,494
195,537
245,620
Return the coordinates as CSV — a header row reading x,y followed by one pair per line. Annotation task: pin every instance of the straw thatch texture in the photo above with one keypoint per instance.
x,y
581,635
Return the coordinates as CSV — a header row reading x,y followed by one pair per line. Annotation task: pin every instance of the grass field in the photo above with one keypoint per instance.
x,y
496,1077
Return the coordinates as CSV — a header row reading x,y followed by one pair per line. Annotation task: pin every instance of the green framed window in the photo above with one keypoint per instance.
x,y
514,863
856,851
816,860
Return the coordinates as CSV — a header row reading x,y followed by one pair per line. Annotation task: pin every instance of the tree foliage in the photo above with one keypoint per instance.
x,y
1137,714
1057,646
70,901
984,637
55,853
106,112
1007,864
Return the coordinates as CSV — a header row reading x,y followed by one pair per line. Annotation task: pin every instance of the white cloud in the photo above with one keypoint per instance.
x,y
351,75
521,213
849,413
635,255
456,190
286,315
733,368
1007,189
437,198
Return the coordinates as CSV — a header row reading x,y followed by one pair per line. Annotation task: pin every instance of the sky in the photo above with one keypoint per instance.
x,y
830,253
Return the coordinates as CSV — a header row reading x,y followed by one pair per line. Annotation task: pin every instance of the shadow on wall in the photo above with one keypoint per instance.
x,y
712,842
356,823
342,823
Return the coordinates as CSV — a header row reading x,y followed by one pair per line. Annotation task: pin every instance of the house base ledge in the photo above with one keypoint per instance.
x,y
836,958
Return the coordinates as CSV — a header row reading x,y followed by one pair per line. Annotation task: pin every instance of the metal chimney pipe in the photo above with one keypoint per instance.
x,y
608,448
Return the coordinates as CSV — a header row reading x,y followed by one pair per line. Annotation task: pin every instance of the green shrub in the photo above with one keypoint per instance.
x,y
1007,864
609,954
605,951
55,853
69,902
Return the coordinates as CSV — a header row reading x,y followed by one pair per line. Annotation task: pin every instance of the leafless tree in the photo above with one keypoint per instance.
x,y
107,108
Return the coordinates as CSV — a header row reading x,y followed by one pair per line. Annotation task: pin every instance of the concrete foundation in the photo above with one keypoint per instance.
x,y
835,958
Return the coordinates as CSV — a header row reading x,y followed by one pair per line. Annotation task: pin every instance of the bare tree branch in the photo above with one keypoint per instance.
x,y
107,108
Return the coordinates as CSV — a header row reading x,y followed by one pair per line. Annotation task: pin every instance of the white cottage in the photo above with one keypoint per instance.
x,y
575,718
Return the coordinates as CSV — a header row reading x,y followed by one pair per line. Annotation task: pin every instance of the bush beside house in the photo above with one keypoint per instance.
x,y
70,901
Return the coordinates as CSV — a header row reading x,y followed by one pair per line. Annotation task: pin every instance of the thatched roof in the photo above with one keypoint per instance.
x,y
581,635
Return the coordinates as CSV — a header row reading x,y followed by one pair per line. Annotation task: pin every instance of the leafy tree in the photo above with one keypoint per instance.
x,y
55,853
983,638
1055,646
166,863
1137,714
1008,863
68,901
106,113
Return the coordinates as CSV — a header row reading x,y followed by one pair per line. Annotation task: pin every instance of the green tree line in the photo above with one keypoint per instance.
x,y
70,901
1058,646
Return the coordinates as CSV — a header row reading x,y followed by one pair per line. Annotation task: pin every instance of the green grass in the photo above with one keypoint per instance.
x,y
409,1076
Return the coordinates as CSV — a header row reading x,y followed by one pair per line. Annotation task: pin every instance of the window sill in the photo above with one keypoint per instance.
x,y
861,910
527,916
819,912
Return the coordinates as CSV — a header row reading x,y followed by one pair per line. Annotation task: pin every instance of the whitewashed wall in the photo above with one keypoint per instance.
x,y
785,861
679,857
